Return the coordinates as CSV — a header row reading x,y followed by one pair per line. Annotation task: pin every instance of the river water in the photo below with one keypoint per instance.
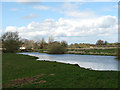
x,y
94,62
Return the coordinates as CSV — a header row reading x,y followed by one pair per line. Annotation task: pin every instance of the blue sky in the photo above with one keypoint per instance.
x,y
25,10
65,21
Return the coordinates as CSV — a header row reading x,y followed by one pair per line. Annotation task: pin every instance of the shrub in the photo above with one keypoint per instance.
x,y
56,48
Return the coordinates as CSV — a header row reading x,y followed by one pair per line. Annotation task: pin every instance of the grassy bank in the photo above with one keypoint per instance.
x,y
24,71
106,52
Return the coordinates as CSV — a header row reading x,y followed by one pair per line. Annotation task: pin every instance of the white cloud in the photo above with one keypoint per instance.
x,y
80,14
31,16
82,25
105,26
41,7
73,10
27,0
11,29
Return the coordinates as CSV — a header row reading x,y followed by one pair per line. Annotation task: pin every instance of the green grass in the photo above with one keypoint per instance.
x,y
101,50
65,75
107,52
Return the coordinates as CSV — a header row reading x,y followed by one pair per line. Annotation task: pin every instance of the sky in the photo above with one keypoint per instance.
x,y
74,22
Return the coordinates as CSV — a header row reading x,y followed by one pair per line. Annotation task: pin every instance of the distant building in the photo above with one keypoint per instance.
x,y
22,48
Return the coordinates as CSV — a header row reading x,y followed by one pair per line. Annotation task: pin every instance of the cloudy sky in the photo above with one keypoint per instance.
x,y
75,22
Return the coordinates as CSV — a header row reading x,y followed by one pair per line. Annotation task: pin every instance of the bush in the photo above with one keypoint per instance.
x,y
56,48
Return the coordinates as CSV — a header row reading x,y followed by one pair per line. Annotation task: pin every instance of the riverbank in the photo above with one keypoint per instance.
x,y
23,71
104,52
84,51
101,54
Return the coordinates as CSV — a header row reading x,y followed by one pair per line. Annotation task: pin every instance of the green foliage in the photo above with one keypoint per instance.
x,y
56,48
110,52
10,41
101,42
80,45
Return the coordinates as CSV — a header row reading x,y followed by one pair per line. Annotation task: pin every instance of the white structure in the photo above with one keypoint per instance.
x,y
22,48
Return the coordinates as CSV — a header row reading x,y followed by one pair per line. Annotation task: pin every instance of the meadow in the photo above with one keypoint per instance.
x,y
106,52
22,71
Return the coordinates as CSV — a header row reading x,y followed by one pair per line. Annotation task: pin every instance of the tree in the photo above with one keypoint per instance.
x,y
56,48
10,41
105,42
42,43
100,42
36,45
51,39
29,44
64,43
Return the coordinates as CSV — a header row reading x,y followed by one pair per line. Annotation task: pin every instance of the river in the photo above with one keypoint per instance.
x,y
94,62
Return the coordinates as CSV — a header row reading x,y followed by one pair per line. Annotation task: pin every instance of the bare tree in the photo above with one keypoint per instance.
x,y
64,43
51,39
43,43
29,44
100,42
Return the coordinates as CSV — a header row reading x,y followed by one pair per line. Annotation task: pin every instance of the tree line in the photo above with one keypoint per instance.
x,y
11,42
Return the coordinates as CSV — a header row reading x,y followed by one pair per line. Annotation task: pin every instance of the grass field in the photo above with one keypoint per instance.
x,y
109,52
22,71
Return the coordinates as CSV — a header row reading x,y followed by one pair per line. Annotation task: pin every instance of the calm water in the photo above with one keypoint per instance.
x,y
87,61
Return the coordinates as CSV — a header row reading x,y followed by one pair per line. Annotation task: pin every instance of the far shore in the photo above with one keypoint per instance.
x,y
102,52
